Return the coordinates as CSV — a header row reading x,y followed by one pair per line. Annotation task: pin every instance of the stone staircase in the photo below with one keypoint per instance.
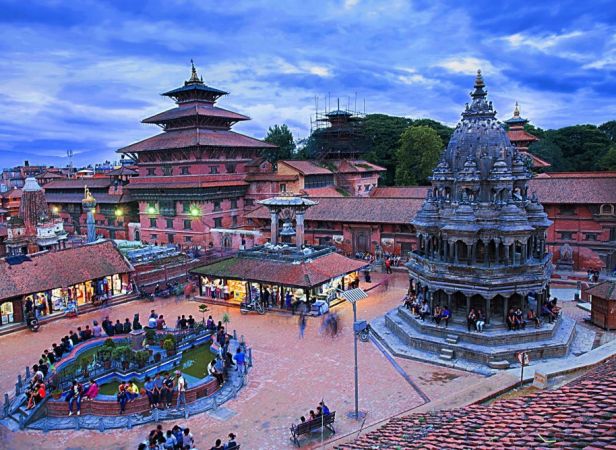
x,y
495,348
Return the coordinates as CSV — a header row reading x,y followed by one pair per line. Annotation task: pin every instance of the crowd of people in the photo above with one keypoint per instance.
x,y
419,306
178,438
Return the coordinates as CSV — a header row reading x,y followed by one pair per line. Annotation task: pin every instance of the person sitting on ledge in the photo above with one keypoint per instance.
x,y
553,307
122,396
136,323
92,391
160,323
118,328
532,317
519,318
437,314
471,320
511,320
152,323
132,391
127,326
408,302
547,312
445,315
481,321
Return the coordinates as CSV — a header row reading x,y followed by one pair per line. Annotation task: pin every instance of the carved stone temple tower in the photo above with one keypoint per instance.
x,y
481,244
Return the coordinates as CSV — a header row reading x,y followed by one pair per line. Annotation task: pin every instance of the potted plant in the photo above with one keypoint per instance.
x,y
84,364
169,345
104,355
203,309
122,353
226,319
141,358
157,357
150,336
56,393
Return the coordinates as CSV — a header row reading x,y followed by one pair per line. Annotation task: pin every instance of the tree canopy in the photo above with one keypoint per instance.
x,y
575,148
281,136
418,152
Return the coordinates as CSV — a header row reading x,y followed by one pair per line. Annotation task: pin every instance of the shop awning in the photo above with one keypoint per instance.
x,y
353,295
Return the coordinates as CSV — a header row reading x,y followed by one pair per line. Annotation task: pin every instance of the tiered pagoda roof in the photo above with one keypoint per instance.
x,y
195,122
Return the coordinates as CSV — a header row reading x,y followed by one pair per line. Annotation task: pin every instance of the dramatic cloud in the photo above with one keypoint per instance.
x,y
82,75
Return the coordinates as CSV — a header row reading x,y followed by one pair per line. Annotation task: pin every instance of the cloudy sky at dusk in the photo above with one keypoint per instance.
x,y
81,75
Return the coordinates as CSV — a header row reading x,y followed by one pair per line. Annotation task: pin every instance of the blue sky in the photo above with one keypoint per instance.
x,y
81,75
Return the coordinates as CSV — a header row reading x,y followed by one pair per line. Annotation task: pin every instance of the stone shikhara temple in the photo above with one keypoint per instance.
x,y
481,235
482,245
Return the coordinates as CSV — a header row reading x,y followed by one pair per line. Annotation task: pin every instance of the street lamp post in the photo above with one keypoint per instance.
x,y
352,296
356,369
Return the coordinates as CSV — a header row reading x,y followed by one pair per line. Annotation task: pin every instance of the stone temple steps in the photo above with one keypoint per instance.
x,y
492,348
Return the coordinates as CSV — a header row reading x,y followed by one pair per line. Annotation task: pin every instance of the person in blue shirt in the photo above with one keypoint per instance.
x,y
240,360
324,408
158,388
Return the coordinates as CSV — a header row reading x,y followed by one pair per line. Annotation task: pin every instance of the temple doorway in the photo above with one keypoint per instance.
x,y
361,241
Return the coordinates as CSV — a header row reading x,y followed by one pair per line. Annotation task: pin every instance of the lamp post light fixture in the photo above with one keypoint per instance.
x,y
195,211
119,213
55,210
151,210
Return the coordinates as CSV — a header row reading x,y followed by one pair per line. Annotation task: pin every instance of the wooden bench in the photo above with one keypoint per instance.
x,y
309,426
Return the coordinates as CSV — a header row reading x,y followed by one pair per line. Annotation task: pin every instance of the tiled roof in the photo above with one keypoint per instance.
x,y
357,210
605,290
195,109
581,414
61,268
419,192
70,197
123,171
306,167
521,136
48,175
329,191
79,183
195,137
13,193
575,188
305,274
354,166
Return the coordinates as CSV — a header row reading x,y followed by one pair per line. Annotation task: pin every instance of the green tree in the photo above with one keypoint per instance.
x,y
383,133
547,150
281,136
608,161
582,145
443,131
609,128
417,154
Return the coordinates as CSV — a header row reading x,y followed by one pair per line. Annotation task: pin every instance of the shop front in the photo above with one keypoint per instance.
x,y
279,284
61,281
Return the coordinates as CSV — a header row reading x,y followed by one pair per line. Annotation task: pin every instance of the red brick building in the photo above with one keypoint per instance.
x,y
195,176
582,207
115,208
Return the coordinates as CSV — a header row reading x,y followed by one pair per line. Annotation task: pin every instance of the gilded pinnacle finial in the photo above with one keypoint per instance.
x,y
194,78
516,110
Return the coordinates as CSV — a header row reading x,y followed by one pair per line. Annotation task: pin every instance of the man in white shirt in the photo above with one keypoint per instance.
x,y
181,384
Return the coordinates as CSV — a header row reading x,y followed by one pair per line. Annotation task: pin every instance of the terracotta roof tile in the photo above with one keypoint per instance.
x,y
306,167
357,209
418,192
606,291
521,136
577,415
199,109
306,274
195,137
575,188
61,268
79,183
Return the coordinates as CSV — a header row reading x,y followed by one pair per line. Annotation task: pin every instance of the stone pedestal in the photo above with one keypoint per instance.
x,y
136,339
564,265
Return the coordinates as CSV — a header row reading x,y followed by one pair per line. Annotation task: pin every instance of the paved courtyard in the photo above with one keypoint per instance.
x,y
290,376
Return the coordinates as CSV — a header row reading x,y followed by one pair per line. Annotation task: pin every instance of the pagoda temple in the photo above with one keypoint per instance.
x,y
482,247
522,139
193,176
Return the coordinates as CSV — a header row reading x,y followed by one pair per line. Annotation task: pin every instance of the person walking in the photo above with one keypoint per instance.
x,y
240,360
302,325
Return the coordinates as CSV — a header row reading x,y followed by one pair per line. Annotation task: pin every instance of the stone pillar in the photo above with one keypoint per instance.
x,y
474,253
455,252
506,254
299,229
468,304
449,301
523,254
274,227
487,311
505,309
136,339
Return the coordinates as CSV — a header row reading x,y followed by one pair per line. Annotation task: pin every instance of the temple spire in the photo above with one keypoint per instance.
x,y
516,110
479,86
194,78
